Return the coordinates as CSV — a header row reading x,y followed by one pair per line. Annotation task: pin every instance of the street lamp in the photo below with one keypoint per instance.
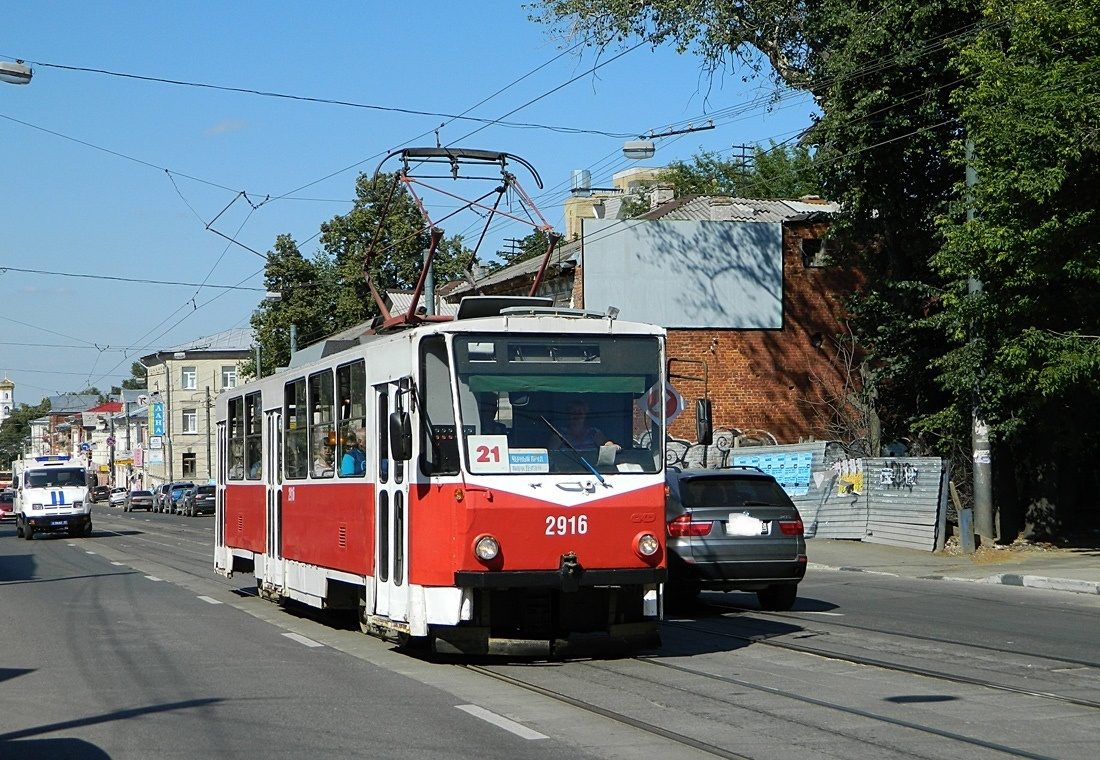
x,y
15,73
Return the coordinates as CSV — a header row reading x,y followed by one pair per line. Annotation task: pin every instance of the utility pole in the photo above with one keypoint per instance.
x,y
209,459
979,432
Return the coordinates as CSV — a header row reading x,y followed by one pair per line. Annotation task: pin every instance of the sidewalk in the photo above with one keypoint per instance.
x,y
1034,566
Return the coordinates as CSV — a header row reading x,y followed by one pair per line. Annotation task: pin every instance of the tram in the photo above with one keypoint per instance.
x,y
488,484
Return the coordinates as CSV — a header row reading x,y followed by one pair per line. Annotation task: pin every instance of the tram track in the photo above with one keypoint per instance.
x,y
971,645
773,714
892,666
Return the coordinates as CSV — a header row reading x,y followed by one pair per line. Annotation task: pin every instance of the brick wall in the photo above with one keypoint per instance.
x,y
770,379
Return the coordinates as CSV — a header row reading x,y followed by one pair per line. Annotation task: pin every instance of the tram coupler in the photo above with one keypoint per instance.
x,y
569,569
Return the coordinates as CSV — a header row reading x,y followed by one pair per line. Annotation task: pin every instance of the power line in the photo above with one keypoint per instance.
x,y
138,281
330,101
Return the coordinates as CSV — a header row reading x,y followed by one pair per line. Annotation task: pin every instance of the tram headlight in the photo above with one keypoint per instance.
x,y
647,545
486,548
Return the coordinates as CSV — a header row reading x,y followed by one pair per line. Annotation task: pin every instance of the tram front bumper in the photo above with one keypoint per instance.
x,y
566,578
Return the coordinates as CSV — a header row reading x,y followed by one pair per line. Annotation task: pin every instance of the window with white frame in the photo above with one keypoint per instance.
x,y
189,378
229,377
190,421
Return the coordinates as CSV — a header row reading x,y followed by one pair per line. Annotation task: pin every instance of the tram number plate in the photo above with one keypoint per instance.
x,y
743,525
562,525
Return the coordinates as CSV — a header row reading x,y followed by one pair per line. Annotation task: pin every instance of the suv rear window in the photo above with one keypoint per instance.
x,y
733,491
206,489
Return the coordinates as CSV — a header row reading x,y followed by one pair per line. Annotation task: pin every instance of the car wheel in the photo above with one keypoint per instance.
x,y
777,598
18,528
87,530
28,532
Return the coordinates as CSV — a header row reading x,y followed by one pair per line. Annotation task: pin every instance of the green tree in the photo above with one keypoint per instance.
x,y
16,428
881,77
779,171
1030,107
398,243
305,301
138,379
328,293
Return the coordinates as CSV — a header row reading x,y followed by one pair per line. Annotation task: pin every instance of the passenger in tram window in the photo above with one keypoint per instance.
x,y
322,465
353,462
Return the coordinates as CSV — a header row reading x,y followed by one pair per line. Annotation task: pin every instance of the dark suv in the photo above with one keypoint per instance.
x,y
199,500
733,529
101,493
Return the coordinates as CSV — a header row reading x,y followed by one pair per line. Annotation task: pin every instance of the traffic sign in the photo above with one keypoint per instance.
x,y
143,400
671,399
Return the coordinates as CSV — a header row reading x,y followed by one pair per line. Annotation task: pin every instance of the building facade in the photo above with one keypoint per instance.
x,y
183,383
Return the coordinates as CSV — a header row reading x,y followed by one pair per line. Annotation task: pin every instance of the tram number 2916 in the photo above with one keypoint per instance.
x,y
561,525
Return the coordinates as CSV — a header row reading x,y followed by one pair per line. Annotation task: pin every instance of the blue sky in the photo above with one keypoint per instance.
x,y
110,176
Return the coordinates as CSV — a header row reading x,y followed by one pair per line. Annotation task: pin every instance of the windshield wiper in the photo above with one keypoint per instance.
x,y
573,448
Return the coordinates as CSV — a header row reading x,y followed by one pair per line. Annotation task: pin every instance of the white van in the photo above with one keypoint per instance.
x,y
51,494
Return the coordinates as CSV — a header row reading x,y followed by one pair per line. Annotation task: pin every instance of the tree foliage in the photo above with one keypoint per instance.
x,y
901,88
778,171
16,428
328,293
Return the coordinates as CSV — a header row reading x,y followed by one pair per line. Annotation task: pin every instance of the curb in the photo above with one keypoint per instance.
x,y
1070,585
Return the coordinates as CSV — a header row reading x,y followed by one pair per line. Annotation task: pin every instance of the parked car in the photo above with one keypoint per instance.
x,y
733,529
173,495
158,496
199,500
117,497
7,501
101,493
138,500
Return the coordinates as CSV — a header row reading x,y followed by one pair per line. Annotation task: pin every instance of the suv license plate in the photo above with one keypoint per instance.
x,y
744,525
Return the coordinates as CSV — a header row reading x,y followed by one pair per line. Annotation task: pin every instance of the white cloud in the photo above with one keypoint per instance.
x,y
232,125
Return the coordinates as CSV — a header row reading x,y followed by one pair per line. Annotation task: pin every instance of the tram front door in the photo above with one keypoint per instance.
x,y
391,598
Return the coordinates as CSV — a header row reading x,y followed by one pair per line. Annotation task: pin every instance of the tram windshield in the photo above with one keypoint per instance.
x,y
559,404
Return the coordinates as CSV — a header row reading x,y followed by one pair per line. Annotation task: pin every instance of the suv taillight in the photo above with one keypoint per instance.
x,y
683,526
791,527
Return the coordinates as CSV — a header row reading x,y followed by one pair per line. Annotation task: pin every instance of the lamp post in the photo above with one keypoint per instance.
x,y
15,73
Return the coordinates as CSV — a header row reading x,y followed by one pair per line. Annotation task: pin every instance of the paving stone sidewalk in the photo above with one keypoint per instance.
x,y
1033,565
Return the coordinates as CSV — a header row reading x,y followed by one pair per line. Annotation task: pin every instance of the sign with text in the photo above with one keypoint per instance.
x,y
158,419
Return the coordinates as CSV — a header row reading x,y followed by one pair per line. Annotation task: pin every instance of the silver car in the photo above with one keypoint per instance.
x,y
733,529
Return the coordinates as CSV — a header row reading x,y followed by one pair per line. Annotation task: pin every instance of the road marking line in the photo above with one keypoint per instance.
x,y
119,564
208,600
500,721
88,552
153,578
303,640
816,612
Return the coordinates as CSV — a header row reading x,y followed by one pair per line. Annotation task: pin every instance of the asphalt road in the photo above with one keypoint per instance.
x,y
127,645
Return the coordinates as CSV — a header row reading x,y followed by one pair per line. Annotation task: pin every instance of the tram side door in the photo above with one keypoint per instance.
x,y
390,504
271,474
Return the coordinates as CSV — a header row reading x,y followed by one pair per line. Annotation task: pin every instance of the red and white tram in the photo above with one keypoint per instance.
x,y
437,479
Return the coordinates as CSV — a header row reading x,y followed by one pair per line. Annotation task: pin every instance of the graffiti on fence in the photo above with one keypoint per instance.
x,y
899,475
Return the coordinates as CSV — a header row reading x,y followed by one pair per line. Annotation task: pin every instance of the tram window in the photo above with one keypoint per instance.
x,y
383,428
398,537
351,384
296,438
401,405
253,436
236,438
438,435
322,433
383,536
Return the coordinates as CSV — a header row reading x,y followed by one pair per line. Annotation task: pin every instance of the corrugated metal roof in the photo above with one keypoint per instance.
x,y
723,209
401,300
